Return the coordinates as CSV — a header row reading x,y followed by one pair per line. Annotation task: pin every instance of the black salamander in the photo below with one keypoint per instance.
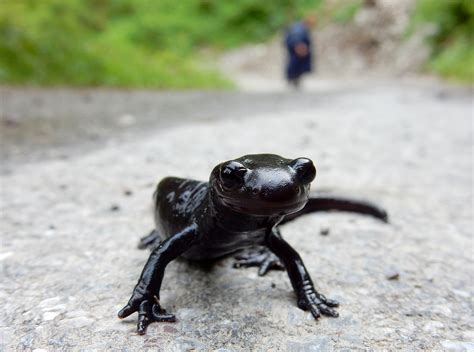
x,y
241,207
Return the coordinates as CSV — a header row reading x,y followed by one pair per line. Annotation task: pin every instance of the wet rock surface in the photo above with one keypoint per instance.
x,y
70,263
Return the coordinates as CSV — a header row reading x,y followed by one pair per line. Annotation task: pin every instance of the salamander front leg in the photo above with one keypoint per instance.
x,y
308,297
146,294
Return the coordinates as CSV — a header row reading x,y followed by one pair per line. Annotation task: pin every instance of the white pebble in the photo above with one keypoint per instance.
x,y
78,322
49,302
5,255
127,120
457,345
433,326
461,293
443,310
56,308
50,315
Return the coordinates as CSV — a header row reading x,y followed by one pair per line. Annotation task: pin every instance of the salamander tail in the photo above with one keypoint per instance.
x,y
328,203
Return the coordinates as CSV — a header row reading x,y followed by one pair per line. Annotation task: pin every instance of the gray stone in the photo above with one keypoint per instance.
x,y
316,345
62,287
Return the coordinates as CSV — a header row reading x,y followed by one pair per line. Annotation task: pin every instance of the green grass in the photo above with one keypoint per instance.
x,y
457,63
131,43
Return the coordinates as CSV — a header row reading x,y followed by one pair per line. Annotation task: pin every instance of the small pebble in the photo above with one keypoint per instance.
x,y
127,192
126,120
170,329
114,207
273,285
413,314
324,231
50,315
5,255
10,123
392,275
449,345
78,322
87,97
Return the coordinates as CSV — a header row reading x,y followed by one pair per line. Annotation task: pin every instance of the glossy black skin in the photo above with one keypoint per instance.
x,y
240,207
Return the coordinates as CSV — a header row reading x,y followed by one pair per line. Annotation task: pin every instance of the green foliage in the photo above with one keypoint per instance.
x,y
346,13
457,62
452,38
139,43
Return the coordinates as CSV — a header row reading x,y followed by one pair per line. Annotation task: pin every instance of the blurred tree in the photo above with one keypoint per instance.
x,y
130,42
452,38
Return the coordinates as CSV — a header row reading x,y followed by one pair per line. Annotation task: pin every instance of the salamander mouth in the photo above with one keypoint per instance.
x,y
264,208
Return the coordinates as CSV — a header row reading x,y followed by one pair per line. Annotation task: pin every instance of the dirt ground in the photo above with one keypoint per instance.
x,y
78,172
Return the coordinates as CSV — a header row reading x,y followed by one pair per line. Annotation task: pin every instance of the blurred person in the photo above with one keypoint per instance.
x,y
299,47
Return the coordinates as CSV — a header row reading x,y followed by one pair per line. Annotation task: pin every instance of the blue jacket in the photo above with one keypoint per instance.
x,y
296,65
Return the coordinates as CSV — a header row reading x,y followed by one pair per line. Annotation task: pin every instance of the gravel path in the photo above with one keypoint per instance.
x,y
59,123
70,227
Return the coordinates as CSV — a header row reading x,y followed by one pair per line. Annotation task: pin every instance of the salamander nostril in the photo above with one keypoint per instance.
x,y
297,190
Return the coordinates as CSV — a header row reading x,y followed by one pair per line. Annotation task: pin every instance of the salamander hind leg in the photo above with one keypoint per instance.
x,y
261,257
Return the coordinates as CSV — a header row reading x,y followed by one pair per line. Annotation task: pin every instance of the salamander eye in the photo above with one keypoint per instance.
x,y
232,175
305,170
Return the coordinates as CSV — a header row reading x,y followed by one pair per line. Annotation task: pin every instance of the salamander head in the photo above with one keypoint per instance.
x,y
263,184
